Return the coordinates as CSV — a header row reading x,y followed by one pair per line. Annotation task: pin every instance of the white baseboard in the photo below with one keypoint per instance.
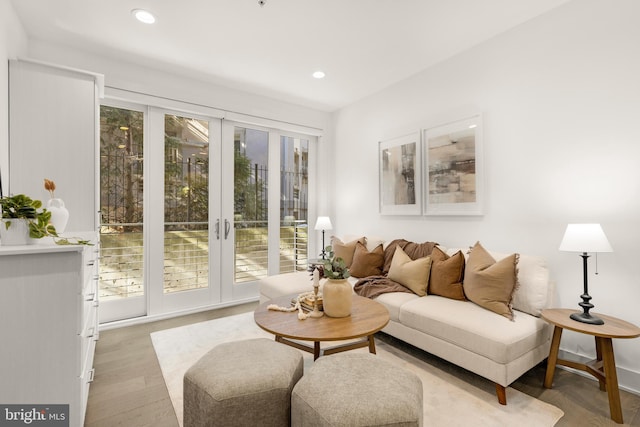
x,y
627,380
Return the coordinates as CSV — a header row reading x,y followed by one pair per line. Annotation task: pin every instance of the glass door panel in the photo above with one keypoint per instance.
x,y
250,204
294,197
186,204
121,283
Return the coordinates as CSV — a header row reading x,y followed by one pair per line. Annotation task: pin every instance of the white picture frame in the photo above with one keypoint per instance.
x,y
400,175
453,177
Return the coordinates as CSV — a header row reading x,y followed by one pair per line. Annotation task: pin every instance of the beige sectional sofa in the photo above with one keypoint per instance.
x,y
461,331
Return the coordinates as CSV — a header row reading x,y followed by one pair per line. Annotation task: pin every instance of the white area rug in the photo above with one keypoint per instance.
x,y
448,401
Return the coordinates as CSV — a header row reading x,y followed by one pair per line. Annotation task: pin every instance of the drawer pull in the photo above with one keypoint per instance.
x,y
90,297
90,332
91,263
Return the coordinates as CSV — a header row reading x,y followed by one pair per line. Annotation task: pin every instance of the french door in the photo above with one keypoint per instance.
x,y
196,209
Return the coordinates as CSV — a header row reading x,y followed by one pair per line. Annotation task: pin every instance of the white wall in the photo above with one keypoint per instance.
x,y
123,75
13,43
561,103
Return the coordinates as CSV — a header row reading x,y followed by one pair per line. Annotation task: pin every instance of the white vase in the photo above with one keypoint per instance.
x,y
59,214
336,298
16,234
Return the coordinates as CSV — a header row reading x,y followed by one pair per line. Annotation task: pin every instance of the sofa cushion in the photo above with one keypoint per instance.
x,y
394,301
488,283
412,274
345,250
470,326
446,275
284,284
289,283
367,263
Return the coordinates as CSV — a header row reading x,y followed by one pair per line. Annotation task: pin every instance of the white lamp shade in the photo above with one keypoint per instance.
x,y
323,223
585,238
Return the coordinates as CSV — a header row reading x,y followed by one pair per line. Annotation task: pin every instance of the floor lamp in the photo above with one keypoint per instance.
x,y
585,238
323,223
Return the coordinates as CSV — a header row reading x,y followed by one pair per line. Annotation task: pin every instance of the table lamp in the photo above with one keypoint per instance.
x,y
323,223
585,238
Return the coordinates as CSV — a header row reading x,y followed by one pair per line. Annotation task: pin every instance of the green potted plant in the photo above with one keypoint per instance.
x,y
337,291
24,218
333,267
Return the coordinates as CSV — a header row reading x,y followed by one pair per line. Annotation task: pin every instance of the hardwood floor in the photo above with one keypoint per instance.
x,y
128,388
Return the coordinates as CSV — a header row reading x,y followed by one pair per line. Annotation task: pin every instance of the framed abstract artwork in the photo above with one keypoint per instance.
x,y
400,166
453,172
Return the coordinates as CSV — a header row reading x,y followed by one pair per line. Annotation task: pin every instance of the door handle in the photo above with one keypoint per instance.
x,y
218,229
227,228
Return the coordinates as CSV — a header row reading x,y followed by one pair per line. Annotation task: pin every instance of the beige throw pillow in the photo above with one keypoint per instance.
x,y
345,250
491,284
367,263
409,273
446,275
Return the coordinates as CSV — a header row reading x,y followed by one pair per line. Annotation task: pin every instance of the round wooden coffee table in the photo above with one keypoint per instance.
x,y
367,317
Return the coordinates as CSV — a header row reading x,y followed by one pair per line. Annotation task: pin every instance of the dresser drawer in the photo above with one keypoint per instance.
x,y
89,268
86,378
89,316
87,340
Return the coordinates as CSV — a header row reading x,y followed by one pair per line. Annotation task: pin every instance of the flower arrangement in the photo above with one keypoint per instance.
x,y
333,267
50,186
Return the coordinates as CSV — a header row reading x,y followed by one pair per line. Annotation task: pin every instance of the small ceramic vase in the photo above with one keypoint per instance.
x,y
336,298
59,214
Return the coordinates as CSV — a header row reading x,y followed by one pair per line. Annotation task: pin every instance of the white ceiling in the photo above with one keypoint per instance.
x,y
362,45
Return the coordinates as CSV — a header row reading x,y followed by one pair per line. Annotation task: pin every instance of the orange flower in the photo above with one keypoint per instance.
x,y
50,186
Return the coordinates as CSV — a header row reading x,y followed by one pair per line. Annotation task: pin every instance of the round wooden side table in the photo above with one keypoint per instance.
x,y
604,366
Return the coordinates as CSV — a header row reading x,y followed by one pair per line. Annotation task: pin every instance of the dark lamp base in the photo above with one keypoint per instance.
x,y
587,318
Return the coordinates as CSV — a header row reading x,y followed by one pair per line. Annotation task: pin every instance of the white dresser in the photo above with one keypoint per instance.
x,y
48,324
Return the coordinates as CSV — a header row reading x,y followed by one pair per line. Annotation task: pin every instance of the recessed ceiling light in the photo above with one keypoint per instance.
x,y
143,16
319,75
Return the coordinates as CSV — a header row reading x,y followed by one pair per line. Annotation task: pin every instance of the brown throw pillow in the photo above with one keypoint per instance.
x,y
413,249
367,263
446,275
412,274
491,284
345,250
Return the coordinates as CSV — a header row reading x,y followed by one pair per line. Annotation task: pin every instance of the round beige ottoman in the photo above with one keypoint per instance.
x,y
242,383
356,389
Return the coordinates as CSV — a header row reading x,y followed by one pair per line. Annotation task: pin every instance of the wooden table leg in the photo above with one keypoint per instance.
x,y
372,344
553,357
316,350
611,378
603,383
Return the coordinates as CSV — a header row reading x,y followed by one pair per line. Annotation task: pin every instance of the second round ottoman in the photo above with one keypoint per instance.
x,y
356,389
